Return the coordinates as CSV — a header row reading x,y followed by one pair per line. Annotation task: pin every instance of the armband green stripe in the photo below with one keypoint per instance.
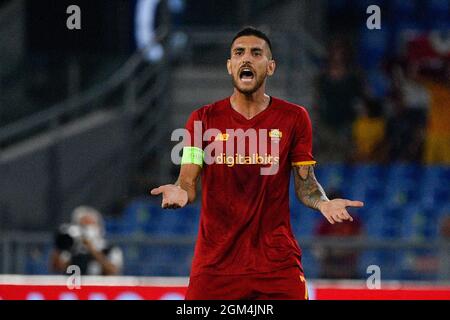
x,y
192,155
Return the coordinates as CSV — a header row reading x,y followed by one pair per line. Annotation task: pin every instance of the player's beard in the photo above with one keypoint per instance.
x,y
249,90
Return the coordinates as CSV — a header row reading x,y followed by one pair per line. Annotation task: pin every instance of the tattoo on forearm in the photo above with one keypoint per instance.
x,y
307,188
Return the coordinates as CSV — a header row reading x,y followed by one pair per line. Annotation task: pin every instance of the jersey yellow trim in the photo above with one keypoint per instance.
x,y
303,163
302,279
306,292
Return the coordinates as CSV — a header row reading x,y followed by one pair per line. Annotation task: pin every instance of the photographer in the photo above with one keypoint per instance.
x,y
82,243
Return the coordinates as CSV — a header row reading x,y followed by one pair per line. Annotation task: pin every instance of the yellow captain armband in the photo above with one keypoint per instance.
x,y
192,155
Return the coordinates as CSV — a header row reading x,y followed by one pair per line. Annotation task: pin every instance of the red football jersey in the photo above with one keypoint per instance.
x,y
245,219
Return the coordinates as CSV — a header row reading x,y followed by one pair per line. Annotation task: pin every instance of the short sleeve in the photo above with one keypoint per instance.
x,y
194,127
301,150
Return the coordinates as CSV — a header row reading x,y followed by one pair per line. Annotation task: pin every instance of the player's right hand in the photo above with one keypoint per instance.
x,y
173,197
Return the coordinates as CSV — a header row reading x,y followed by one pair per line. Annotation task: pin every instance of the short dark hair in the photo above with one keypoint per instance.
x,y
252,31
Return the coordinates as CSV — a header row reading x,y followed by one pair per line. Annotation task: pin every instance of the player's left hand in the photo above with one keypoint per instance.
x,y
335,210
174,197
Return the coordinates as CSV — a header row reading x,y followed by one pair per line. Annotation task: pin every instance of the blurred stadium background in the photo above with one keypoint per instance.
x,y
86,118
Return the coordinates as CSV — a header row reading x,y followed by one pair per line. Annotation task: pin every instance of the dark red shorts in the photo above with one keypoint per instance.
x,y
286,284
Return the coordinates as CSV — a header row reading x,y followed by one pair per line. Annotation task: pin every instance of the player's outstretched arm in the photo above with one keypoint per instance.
x,y
311,194
183,191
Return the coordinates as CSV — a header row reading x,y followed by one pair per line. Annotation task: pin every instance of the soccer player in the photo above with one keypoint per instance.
x,y
246,248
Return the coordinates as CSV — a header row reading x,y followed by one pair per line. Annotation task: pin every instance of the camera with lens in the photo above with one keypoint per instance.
x,y
69,236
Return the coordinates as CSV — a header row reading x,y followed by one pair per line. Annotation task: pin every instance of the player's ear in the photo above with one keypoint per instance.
x,y
271,67
229,66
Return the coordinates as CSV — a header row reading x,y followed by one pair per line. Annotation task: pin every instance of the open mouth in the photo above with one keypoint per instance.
x,y
246,74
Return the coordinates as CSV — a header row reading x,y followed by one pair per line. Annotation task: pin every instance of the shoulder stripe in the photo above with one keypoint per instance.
x,y
303,163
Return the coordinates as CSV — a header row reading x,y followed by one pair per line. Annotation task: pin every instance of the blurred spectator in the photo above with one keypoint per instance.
x,y
338,90
338,263
409,101
418,129
415,95
145,27
437,136
400,142
368,132
429,48
82,243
